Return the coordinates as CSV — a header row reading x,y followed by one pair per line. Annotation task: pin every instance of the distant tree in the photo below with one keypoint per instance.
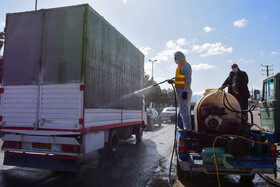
x,y
168,97
151,95
157,97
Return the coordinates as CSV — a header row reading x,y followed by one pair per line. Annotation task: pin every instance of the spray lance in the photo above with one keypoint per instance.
x,y
170,81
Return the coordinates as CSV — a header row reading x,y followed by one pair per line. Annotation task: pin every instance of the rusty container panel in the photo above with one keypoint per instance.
x,y
114,67
22,48
44,46
62,47
74,44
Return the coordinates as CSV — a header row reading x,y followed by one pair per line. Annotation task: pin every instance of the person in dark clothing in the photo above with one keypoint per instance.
x,y
237,86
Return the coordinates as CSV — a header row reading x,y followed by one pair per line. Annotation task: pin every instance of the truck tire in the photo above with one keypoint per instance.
x,y
138,133
113,144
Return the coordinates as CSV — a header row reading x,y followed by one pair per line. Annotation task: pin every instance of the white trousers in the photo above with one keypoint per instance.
x,y
185,108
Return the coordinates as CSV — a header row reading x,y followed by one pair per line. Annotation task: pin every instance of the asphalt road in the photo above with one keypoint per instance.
x,y
144,164
132,165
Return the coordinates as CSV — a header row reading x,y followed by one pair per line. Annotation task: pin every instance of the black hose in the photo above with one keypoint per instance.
x,y
268,181
232,109
174,145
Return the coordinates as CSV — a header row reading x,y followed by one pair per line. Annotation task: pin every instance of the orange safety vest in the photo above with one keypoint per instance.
x,y
180,79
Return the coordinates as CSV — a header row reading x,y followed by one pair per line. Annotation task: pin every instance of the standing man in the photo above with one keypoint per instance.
x,y
237,86
182,82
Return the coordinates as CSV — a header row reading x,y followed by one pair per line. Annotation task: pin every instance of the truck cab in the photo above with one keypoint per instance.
x,y
270,105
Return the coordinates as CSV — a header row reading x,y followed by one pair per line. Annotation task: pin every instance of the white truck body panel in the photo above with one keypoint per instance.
x,y
28,141
96,140
41,113
56,110
41,139
19,106
105,117
61,106
97,117
41,132
45,107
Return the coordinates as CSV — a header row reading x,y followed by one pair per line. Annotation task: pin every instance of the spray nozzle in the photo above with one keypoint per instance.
x,y
170,81
167,80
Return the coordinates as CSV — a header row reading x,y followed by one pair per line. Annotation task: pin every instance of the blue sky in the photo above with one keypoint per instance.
x,y
213,34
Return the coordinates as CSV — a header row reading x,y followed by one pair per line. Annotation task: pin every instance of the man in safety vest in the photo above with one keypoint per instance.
x,y
183,79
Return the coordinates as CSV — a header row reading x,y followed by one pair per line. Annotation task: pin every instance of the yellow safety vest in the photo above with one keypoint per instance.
x,y
180,79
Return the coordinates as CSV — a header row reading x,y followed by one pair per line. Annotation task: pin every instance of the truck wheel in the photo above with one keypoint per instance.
x,y
138,133
247,179
113,143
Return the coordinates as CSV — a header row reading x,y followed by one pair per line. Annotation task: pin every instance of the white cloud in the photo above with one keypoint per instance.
x,y
240,23
202,66
208,29
170,44
208,49
145,50
262,54
2,23
274,53
230,61
182,41
172,47
246,60
181,44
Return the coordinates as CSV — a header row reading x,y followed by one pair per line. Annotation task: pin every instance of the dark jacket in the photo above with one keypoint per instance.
x,y
241,83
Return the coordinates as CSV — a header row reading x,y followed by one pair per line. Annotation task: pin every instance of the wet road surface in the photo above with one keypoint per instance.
x,y
144,164
132,165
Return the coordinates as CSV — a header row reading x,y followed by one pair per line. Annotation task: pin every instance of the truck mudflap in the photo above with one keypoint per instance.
x,y
51,162
248,167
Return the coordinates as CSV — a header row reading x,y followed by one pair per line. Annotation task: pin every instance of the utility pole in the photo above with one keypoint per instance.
x,y
267,69
35,4
152,69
